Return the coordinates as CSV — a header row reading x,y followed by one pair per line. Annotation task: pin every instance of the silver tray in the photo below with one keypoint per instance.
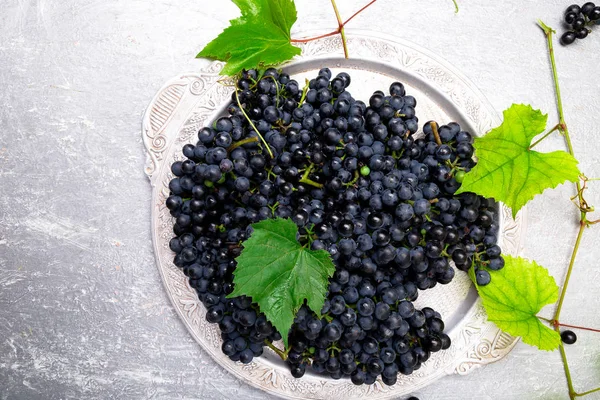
x,y
190,101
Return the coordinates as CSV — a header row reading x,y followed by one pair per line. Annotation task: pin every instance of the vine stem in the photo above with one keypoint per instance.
x,y
314,38
337,31
588,392
359,11
341,28
579,327
561,115
562,126
572,392
555,323
569,271
556,127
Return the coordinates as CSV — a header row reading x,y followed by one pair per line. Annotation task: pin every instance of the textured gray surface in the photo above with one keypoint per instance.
x,y
83,313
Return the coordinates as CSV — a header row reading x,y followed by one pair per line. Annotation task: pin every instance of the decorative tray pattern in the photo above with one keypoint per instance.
x,y
190,101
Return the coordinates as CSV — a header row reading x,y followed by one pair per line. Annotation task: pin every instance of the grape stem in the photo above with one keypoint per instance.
x,y
436,134
304,91
353,181
307,180
455,6
280,353
241,143
583,222
237,98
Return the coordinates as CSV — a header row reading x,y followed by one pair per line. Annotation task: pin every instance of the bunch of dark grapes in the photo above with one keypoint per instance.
x,y
578,19
359,184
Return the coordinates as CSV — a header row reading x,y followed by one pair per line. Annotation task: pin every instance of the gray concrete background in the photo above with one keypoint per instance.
x,y
83,314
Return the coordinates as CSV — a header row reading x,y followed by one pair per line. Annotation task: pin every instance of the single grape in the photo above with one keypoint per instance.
x,y
568,38
582,33
298,370
568,337
570,17
578,24
483,277
459,176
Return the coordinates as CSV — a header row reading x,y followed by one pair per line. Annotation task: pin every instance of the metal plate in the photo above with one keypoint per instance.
x,y
190,101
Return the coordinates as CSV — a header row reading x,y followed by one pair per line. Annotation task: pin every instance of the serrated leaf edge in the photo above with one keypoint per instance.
x,y
503,324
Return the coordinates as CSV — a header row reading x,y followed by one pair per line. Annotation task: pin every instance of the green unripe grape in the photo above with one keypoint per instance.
x,y
459,176
364,171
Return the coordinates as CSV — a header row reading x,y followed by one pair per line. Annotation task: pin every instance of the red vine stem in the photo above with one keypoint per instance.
x,y
358,12
337,31
555,324
314,38
579,327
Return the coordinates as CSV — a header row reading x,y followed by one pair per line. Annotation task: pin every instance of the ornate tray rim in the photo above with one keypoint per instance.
x,y
164,124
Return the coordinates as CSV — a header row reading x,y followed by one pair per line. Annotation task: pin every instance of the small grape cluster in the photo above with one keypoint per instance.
x,y
578,19
358,184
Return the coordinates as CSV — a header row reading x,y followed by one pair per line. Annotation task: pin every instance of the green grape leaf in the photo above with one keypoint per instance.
x,y
278,273
251,8
260,37
515,295
508,170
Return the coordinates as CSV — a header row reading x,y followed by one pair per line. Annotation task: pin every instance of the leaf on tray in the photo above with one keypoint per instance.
x,y
279,273
508,170
515,296
260,37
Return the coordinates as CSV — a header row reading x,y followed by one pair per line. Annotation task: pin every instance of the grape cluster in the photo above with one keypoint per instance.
x,y
358,184
208,262
578,19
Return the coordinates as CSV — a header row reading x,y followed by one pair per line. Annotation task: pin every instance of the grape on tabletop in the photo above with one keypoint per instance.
x,y
580,20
